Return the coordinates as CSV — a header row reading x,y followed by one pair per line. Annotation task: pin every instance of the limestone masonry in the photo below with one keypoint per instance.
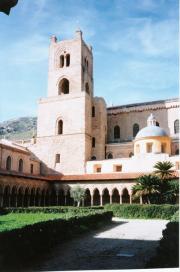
x,y
80,140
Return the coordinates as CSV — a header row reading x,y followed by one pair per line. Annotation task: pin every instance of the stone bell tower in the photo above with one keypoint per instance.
x,y
64,116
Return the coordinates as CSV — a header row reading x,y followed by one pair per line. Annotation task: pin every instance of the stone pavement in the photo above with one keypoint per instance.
x,y
125,244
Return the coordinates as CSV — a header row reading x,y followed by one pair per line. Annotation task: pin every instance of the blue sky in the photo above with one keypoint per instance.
x,y
135,46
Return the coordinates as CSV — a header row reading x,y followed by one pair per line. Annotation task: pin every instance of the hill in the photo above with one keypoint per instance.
x,y
21,128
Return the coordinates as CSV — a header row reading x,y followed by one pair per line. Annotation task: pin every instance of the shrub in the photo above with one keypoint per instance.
x,y
142,211
167,254
34,240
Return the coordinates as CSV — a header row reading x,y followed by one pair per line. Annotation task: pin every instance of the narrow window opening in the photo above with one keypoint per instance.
x,y
57,158
60,127
20,167
176,126
135,129
8,163
61,61
149,147
93,142
93,111
67,60
64,86
116,132
32,168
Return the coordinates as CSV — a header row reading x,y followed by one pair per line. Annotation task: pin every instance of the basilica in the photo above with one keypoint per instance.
x,y
82,141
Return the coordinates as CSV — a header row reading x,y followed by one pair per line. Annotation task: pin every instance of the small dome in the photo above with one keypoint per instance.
x,y
151,131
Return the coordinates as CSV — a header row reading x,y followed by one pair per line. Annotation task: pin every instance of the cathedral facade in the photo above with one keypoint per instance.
x,y
80,140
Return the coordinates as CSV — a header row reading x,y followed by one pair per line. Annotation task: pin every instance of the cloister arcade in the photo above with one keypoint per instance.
x,y
21,196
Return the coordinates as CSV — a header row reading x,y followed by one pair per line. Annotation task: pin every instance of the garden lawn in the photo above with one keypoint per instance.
x,y
18,220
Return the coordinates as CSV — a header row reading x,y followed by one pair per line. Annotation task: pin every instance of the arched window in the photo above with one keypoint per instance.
x,y
61,61
110,156
176,126
93,111
8,163
131,154
116,132
31,168
87,88
20,167
64,86
67,60
60,127
93,158
135,129
177,152
157,123
93,142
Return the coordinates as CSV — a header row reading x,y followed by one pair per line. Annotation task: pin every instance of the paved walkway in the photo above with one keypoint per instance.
x,y
125,244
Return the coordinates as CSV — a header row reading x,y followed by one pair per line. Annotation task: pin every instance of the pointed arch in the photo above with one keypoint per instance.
x,y
96,197
8,163
105,196
64,86
115,196
110,155
135,129
20,166
125,196
116,132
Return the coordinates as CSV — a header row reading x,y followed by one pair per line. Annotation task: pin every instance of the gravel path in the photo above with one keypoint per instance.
x,y
125,244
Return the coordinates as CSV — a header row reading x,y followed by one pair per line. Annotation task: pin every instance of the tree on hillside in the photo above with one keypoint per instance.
x,y
147,186
78,194
164,170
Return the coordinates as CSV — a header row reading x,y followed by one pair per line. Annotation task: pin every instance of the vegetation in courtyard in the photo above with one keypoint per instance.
x,y
164,170
27,236
167,254
142,211
147,186
158,187
78,194
20,217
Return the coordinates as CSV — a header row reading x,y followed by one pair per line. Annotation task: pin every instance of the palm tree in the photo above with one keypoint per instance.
x,y
147,186
163,169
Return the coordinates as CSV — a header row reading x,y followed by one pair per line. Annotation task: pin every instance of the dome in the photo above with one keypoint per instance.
x,y
151,131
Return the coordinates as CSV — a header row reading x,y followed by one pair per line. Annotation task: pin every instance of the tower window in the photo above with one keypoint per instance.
x,y
116,132
93,111
64,86
67,60
93,142
61,61
8,163
60,127
57,158
117,168
31,168
93,158
87,88
135,129
20,167
176,126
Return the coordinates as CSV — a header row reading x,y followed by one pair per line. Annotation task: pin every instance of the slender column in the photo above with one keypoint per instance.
x,y
101,200
39,200
65,200
120,198
22,203
141,201
83,202
57,199
9,200
28,200
110,199
1,200
92,203
130,198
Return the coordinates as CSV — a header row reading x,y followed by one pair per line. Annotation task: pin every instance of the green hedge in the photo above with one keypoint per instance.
x,y
33,241
51,209
142,211
167,254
